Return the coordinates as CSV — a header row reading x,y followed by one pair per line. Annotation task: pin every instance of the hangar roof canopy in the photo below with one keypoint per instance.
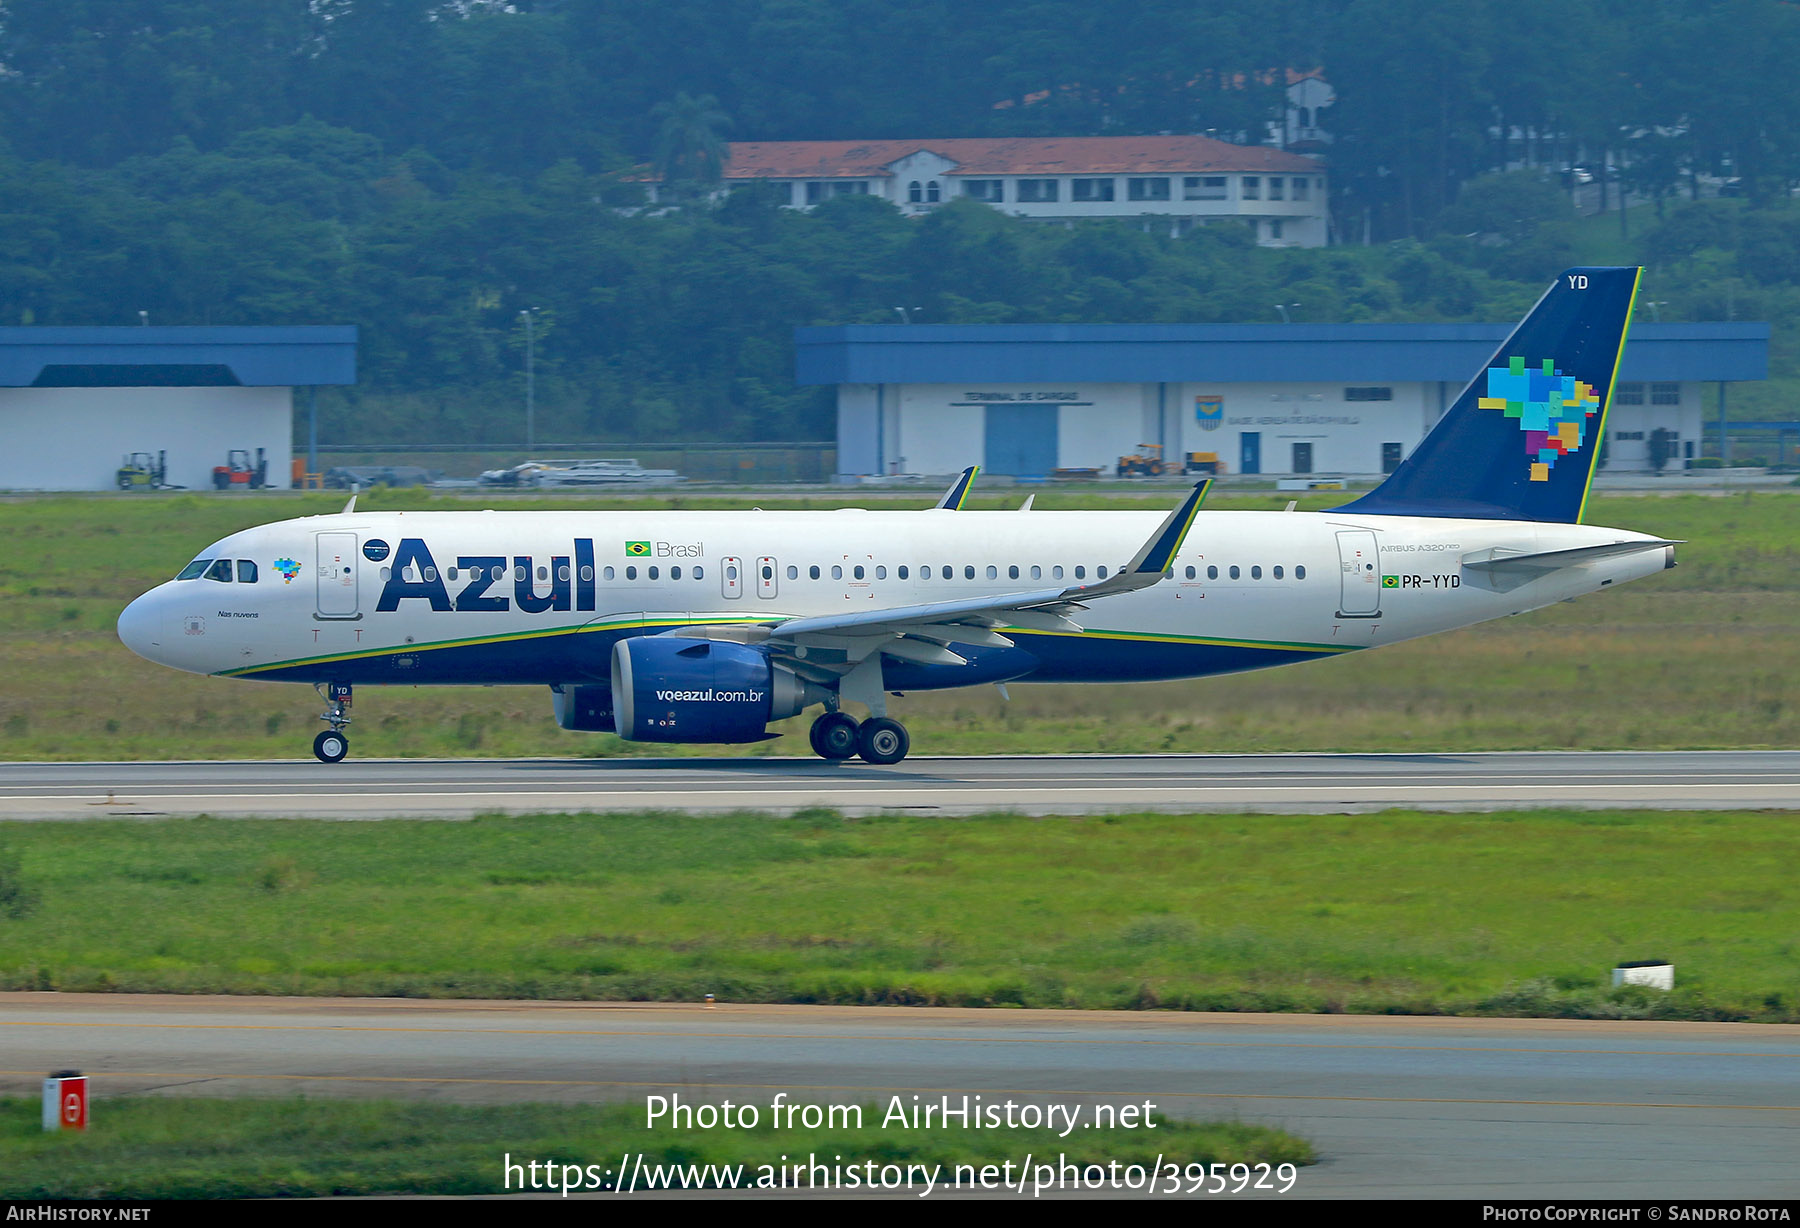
x,y
125,357
1234,353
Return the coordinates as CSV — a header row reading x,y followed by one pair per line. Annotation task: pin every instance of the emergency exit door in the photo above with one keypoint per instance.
x,y
336,572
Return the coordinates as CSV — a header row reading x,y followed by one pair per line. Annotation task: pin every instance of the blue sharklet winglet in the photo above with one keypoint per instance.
x,y
958,493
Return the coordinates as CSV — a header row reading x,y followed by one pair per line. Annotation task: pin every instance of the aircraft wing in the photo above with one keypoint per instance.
x,y
970,620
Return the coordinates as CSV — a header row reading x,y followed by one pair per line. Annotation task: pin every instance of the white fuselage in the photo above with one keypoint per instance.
x,y
1247,589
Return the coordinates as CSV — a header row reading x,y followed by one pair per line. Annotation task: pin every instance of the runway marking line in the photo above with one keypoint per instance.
x,y
955,1040
190,1076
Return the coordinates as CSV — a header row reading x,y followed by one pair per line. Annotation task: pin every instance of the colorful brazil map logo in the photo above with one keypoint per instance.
x,y
637,550
1551,408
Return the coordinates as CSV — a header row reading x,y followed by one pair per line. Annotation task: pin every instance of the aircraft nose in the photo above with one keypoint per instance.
x,y
140,627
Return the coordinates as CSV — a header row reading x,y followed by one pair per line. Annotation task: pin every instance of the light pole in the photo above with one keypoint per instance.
x,y
1283,309
906,314
1655,305
530,380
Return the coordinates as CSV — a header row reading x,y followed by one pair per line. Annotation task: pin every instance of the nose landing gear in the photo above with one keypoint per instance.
x,y
837,736
332,745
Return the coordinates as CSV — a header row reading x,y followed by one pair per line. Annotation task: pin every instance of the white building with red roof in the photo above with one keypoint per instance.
x,y
1183,181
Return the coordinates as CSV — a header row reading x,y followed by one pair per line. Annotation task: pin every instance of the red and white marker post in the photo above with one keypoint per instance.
x,y
66,1101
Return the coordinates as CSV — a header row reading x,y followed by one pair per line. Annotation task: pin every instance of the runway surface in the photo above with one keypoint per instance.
x,y
452,788
1396,1106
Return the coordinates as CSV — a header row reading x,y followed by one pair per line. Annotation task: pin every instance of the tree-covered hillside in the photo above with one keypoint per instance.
x,y
428,169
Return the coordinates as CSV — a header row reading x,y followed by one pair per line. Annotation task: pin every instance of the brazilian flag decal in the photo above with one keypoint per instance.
x,y
1390,582
637,550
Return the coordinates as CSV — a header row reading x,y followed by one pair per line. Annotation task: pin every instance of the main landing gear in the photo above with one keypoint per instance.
x,y
837,735
332,745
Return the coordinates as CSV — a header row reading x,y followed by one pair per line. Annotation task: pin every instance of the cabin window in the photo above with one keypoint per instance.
x,y
587,574
813,571
1037,573
385,572
949,572
1012,573
1256,573
880,572
1278,573
768,572
1056,572
562,573
1190,573
1081,573
631,573
653,573
246,572
1101,572
674,573
431,573
449,573
902,571
857,571
968,571
993,572
1300,572
1234,571
518,573
699,572
837,573
220,571
793,572
609,573
1212,573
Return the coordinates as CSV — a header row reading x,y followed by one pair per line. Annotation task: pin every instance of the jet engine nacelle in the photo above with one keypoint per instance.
x,y
670,689
586,708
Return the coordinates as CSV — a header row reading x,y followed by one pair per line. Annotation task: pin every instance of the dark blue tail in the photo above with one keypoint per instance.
x,y
1520,442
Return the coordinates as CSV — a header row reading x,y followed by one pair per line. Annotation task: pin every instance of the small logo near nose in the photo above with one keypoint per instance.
x,y
194,624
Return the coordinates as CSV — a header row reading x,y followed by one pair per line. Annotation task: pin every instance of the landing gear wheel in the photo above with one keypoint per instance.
x,y
834,736
331,746
882,741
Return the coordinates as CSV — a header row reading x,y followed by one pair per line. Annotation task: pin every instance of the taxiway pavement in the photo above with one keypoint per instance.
x,y
1397,1107
1060,784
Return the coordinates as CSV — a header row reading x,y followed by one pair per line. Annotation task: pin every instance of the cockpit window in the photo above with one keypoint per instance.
x,y
246,571
220,571
194,569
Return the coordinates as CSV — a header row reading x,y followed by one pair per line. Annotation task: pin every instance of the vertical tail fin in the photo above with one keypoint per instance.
x,y
1521,441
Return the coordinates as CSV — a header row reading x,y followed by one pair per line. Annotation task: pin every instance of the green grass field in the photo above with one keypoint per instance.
x,y
1512,913
167,1147
1702,656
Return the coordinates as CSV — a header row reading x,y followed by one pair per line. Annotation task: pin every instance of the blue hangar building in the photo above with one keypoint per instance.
x,y
77,401
1288,400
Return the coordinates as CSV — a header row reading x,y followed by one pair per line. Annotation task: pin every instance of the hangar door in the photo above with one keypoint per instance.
x,y
1021,439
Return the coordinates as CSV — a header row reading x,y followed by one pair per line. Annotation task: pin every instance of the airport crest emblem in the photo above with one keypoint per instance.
x,y
1209,412
288,569
1551,408
637,550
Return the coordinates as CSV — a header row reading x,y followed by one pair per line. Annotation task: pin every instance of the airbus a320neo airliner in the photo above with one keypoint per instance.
x,y
674,626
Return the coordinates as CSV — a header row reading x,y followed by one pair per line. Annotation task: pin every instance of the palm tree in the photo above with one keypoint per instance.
x,y
690,154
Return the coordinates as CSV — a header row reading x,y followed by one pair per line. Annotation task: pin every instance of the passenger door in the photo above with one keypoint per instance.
x,y
1359,575
336,562
731,576
766,577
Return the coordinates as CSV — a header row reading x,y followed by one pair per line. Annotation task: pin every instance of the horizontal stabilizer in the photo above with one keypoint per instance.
x,y
1500,558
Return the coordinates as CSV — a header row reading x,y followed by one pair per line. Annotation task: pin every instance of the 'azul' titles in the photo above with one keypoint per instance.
x,y
568,583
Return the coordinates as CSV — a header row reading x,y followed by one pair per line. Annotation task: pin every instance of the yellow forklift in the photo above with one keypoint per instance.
x,y
142,471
